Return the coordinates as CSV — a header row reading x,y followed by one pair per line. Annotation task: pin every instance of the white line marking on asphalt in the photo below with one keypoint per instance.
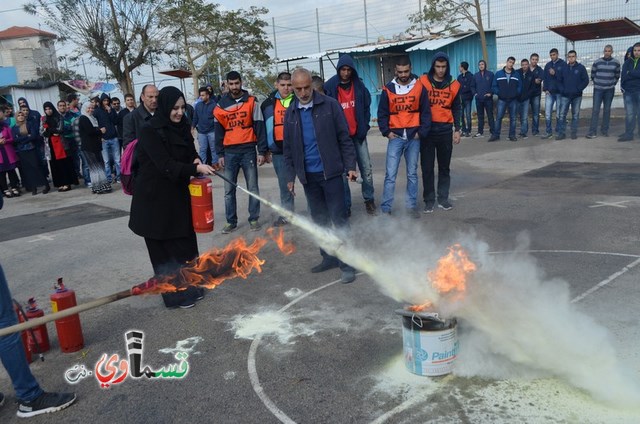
x,y
41,237
612,204
606,281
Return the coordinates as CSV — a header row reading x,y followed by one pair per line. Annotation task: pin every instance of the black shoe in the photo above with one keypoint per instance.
x,y
591,136
445,204
625,138
524,136
348,276
574,136
534,133
428,208
560,137
493,138
325,265
186,304
45,403
46,189
280,222
34,191
370,206
513,138
547,136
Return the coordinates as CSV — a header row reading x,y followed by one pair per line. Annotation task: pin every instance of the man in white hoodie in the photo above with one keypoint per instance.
x,y
404,116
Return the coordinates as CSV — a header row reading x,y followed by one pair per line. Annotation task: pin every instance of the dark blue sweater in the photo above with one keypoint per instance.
x,y
483,82
550,82
467,82
507,86
572,80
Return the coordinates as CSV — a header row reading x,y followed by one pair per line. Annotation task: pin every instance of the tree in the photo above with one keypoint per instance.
x,y
451,13
120,34
207,37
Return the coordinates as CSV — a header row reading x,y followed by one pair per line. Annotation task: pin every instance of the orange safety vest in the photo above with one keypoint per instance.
x,y
404,109
278,120
237,122
441,99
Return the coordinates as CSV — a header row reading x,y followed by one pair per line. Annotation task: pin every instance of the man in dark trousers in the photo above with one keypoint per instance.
x,y
446,114
507,86
318,150
347,88
239,131
483,80
630,85
467,88
605,73
203,122
108,119
572,80
551,90
534,101
526,78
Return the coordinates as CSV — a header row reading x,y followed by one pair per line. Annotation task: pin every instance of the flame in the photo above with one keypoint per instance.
x,y
213,267
449,276
286,248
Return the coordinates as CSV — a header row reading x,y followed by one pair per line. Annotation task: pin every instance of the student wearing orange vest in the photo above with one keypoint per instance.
x,y
404,117
273,110
239,129
446,115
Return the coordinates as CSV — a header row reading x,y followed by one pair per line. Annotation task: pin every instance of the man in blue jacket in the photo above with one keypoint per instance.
x,y
351,93
467,87
318,150
572,80
528,90
534,101
203,122
630,84
483,80
551,90
108,119
507,86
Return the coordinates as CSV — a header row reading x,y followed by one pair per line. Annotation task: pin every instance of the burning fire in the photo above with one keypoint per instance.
x,y
449,276
210,269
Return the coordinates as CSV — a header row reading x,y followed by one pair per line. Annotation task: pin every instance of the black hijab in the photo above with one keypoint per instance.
x,y
161,118
54,120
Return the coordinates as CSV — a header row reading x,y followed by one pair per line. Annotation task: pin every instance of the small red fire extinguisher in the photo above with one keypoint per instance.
x,y
68,328
23,334
39,336
201,204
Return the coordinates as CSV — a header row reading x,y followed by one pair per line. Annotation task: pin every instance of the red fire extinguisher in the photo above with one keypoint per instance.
x,y
40,335
68,328
201,204
23,334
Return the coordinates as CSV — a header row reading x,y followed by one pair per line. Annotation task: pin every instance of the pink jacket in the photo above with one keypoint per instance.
x,y
8,146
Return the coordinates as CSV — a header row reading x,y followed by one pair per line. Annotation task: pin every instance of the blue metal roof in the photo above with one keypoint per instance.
x,y
8,76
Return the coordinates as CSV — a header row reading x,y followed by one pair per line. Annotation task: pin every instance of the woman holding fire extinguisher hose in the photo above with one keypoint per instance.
x,y
165,159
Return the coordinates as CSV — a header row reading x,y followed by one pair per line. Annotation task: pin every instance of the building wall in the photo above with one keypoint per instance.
x,y
27,55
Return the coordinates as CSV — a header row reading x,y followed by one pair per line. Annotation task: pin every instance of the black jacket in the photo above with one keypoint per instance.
x,y
337,152
132,123
161,204
90,136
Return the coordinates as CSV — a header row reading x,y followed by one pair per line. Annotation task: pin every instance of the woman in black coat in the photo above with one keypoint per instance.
x,y
91,146
61,163
165,160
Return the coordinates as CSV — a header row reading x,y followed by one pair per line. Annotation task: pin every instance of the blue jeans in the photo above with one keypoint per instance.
x,y
563,110
396,148
233,162
207,144
12,352
111,153
486,104
466,115
523,113
631,112
85,168
549,101
534,104
503,105
286,198
326,205
366,172
605,98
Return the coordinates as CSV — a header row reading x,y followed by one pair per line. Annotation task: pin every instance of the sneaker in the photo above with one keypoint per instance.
x,y
254,225
547,136
591,136
348,276
534,133
625,138
444,204
414,213
604,134
561,137
524,136
478,135
370,206
574,136
428,208
513,138
280,222
199,293
325,265
45,403
186,304
228,228
494,138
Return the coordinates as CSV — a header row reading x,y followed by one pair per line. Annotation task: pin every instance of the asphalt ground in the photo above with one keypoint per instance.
x,y
285,345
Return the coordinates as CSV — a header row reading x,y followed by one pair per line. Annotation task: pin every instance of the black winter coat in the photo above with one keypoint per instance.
x,y
161,204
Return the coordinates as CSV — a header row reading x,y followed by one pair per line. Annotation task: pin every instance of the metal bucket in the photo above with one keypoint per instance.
x,y
430,344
